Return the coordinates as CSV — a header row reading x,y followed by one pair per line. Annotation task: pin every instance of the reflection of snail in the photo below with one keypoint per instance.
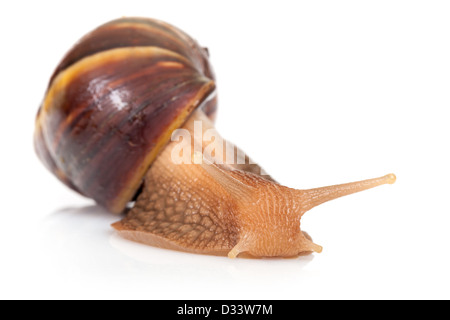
x,y
103,128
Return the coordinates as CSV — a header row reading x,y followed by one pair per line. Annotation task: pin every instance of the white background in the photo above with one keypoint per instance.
x,y
318,92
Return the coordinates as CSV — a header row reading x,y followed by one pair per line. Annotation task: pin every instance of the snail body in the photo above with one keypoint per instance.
x,y
104,127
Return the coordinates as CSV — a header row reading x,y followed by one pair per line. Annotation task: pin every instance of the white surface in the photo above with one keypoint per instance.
x,y
318,92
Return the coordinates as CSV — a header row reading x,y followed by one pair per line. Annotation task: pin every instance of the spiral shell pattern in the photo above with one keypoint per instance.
x,y
113,102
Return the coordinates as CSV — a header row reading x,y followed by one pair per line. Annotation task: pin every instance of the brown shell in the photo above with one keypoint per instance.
x,y
113,102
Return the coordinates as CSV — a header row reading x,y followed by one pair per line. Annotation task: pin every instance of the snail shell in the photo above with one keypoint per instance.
x,y
113,102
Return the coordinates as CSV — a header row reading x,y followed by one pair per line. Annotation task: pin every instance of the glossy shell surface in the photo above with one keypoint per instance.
x,y
113,102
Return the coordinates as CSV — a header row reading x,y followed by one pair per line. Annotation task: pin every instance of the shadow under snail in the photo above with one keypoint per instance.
x,y
104,129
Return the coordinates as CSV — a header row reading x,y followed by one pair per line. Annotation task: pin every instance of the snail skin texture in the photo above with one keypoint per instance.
x,y
104,129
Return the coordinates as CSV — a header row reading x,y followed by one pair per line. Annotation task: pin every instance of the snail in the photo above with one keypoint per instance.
x,y
111,122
